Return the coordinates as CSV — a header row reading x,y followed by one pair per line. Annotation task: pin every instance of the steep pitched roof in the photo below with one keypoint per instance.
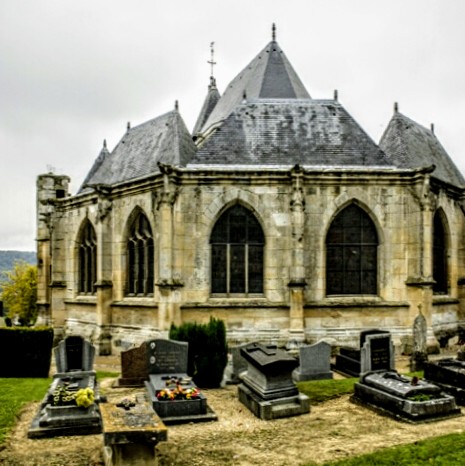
x,y
164,139
268,76
410,145
213,96
104,153
290,131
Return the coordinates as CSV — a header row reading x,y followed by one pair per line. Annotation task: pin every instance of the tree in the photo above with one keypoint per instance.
x,y
20,293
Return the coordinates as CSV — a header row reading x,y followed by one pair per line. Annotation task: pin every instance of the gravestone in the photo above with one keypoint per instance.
x,y
74,354
74,358
167,374
157,356
449,374
267,388
419,355
134,366
237,366
377,353
348,360
406,398
314,362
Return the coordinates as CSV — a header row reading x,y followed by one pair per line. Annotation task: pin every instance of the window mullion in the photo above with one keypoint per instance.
x,y
228,267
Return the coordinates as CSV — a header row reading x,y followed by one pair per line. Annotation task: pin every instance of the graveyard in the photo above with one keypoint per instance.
x,y
332,430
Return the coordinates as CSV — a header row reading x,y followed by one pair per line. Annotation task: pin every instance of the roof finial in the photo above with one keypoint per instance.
x,y
128,126
104,143
273,32
396,107
335,95
176,105
212,61
432,128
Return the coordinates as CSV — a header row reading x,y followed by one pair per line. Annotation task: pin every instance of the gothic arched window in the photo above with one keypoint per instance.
x,y
439,256
140,258
351,254
87,259
237,242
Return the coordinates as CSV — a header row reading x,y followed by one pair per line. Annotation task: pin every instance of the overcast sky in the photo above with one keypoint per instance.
x,y
73,73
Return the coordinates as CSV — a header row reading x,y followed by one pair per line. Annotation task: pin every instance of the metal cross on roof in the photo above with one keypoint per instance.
x,y
212,61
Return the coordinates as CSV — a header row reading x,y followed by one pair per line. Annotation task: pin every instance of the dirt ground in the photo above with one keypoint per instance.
x,y
332,430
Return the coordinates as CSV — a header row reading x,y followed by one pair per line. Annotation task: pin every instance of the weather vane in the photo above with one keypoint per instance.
x,y
212,61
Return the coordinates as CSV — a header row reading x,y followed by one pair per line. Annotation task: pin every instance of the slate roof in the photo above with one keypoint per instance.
x,y
213,96
410,145
290,131
164,139
269,75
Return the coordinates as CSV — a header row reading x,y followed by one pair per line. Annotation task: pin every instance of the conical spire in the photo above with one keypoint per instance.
x,y
213,96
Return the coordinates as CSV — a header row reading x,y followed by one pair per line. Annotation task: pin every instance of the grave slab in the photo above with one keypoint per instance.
x,y
131,434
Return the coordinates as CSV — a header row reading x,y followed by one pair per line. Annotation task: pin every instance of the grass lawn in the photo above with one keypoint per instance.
x,y
447,450
14,393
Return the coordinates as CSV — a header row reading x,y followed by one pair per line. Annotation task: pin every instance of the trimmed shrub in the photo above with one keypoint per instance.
x,y
26,351
208,351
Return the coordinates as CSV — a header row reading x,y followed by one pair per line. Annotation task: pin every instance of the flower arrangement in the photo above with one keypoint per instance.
x,y
178,393
83,398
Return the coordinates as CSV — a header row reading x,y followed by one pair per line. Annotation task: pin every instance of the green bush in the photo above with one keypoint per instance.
x,y
208,350
26,352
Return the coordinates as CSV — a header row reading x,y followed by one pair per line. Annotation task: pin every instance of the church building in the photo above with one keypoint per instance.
x,y
278,214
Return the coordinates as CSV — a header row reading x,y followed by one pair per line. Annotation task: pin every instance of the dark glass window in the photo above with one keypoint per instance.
x,y
351,254
87,259
140,258
439,256
237,253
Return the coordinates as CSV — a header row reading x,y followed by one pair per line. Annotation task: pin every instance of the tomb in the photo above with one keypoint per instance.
x,y
405,398
173,394
131,433
267,388
348,360
70,406
449,374
314,362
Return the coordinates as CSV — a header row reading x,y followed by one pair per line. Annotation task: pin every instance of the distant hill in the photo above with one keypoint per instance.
x,y
8,259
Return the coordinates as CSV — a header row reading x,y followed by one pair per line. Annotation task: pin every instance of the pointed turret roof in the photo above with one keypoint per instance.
x,y
407,144
164,139
104,153
269,75
213,96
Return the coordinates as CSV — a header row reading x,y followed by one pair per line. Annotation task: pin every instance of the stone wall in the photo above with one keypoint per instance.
x,y
188,205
